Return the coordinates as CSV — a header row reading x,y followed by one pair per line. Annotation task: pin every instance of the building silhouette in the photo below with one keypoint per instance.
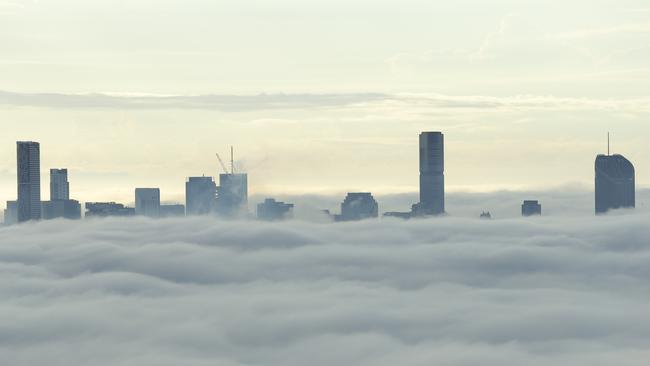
x,y
59,185
358,206
272,210
11,213
432,174
172,210
147,202
531,208
614,183
200,196
29,181
107,209
232,195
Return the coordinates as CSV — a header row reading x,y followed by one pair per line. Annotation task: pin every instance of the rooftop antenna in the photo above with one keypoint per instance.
x,y
607,143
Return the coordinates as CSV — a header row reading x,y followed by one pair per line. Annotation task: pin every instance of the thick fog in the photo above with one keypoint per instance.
x,y
556,290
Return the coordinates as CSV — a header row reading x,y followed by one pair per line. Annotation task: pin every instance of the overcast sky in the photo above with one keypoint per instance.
x,y
143,93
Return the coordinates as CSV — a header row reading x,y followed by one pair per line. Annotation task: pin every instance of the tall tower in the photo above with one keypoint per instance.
x,y
59,185
29,180
432,174
615,186
147,202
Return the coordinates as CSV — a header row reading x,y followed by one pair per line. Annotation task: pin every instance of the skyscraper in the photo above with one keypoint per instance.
x,y
29,180
147,202
531,208
358,206
271,210
59,185
615,186
432,174
200,196
232,194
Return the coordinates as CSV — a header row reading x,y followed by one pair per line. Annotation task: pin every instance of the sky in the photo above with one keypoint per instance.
x,y
451,291
322,97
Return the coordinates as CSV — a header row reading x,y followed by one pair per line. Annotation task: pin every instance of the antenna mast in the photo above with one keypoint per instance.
x,y
232,161
608,143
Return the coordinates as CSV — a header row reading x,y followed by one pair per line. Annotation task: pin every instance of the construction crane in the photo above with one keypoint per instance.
x,y
232,162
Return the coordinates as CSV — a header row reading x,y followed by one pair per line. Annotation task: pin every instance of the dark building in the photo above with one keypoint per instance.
x,y
67,209
358,206
11,213
147,202
200,196
272,210
432,175
106,209
615,186
59,185
29,180
172,210
232,195
486,215
531,208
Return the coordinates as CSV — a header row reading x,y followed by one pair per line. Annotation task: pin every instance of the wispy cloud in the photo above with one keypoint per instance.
x,y
605,31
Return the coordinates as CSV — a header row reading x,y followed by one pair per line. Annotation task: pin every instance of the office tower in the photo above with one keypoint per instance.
x,y
432,176
59,185
67,209
11,213
29,180
200,196
175,210
107,209
531,208
615,187
147,202
358,206
232,195
272,210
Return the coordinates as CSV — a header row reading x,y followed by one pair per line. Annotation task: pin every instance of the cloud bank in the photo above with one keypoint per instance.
x,y
568,291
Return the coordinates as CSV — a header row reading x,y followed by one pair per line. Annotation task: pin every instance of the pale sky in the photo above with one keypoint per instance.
x,y
322,96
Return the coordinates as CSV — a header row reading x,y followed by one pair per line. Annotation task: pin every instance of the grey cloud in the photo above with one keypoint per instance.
x,y
569,290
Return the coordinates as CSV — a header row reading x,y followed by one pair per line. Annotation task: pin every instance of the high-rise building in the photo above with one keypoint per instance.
x,y
200,196
615,186
232,195
29,181
272,210
147,202
59,185
358,206
67,209
11,213
106,209
531,208
432,175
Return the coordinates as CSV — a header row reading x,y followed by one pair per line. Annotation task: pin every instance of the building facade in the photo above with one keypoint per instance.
x,y
29,181
11,213
432,175
59,185
531,208
172,210
200,196
614,183
66,209
147,202
232,195
107,209
358,206
272,210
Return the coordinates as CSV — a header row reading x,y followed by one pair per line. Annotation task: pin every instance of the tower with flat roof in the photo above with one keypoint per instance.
x,y
29,181
432,174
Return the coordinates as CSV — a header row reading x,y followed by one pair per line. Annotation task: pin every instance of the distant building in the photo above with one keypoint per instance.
x,y
432,175
59,185
358,206
67,209
172,210
200,196
147,202
272,210
531,208
486,215
399,215
107,209
232,195
11,213
615,183
29,181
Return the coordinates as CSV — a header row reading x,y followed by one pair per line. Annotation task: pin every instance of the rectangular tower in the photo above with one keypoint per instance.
x,y
614,183
147,202
432,174
59,185
29,180
200,196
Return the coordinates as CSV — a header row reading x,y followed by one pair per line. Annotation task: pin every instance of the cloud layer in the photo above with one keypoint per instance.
x,y
570,291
